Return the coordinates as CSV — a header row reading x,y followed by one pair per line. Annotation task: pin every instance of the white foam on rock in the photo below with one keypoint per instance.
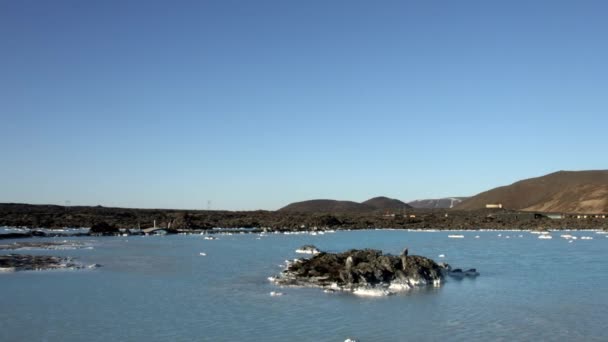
x,y
399,286
307,251
371,292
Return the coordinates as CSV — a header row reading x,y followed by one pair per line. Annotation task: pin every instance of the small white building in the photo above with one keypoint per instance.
x,y
494,206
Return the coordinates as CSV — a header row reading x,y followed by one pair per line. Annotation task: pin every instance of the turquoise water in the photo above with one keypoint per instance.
x,y
162,289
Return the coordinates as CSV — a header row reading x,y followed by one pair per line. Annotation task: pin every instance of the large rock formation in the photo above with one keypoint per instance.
x,y
362,271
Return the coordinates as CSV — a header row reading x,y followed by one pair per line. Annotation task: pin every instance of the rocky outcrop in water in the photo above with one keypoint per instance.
x,y
103,229
458,273
362,272
21,262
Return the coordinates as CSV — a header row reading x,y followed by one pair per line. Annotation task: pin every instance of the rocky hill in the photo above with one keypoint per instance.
x,y
563,191
439,203
325,205
333,206
385,203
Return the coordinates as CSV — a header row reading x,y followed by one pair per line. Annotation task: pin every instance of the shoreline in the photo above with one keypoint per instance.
x,y
113,221
34,233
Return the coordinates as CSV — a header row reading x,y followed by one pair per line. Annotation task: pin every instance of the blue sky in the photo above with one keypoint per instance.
x,y
256,104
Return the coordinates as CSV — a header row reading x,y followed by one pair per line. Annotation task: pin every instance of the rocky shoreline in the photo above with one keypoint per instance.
x,y
111,220
366,272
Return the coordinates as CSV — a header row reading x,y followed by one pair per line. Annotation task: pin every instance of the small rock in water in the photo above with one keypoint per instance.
x,y
308,249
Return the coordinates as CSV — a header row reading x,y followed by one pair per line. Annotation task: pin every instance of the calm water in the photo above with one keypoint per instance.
x,y
161,289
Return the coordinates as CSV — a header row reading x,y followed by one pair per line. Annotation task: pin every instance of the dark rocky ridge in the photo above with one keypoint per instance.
x,y
51,216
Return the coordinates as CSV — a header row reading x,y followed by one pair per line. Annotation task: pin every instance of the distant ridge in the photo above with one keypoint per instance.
x,y
438,203
327,205
385,203
563,191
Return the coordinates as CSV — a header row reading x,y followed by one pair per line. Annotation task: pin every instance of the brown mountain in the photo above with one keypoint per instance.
x,y
385,203
563,191
326,205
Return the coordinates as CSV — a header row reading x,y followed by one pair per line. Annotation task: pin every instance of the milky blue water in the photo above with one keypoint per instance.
x,y
161,289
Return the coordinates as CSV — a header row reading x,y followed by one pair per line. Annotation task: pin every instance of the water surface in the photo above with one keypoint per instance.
x,y
161,288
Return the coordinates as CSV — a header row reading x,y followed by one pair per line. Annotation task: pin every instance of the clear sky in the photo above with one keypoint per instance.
x,y
256,104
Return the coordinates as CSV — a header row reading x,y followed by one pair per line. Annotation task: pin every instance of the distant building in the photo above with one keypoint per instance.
x,y
494,206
